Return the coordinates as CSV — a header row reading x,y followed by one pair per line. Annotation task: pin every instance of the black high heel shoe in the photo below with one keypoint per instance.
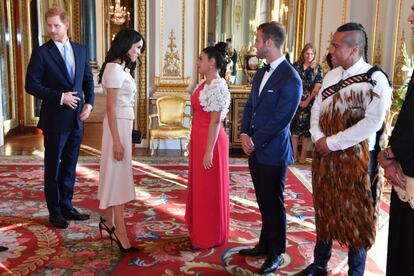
x,y
103,226
116,239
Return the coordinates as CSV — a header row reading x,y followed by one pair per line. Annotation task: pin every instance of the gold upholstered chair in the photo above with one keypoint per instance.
x,y
170,121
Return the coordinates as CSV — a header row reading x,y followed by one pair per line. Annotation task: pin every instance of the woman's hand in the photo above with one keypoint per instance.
x,y
118,151
304,104
208,160
395,175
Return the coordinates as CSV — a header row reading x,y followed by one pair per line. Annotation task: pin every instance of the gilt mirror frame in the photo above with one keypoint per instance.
x,y
297,32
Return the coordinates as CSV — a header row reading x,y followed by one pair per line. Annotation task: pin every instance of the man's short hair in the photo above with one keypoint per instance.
x,y
56,11
228,40
275,31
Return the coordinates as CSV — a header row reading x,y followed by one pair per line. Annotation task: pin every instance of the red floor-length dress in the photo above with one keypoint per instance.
x,y
207,209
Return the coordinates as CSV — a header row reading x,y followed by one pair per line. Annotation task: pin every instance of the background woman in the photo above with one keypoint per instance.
x,y
311,75
207,209
116,184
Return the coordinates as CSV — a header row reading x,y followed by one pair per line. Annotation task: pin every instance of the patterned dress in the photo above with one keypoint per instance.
x,y
301,122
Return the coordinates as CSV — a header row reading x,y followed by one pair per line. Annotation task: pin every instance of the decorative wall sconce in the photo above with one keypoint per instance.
x,y
118,14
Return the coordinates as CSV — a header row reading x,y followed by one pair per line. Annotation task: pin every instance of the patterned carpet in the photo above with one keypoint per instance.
x,y
155,223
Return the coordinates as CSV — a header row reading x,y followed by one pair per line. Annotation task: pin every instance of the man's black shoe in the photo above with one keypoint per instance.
x,y
75,215
313,270
271,263
255,251
58,222
3,248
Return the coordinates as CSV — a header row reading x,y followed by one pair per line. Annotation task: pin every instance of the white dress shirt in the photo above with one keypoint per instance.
x,y
267,74
374,113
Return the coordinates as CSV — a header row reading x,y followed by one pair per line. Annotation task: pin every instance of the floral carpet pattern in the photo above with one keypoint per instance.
x,y
155,222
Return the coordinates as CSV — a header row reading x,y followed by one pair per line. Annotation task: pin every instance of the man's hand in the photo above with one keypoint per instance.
x,y
86,111
247,144
395,175
321,147
70,99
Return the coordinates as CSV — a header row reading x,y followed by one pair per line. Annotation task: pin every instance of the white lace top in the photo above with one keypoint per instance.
x,y
215,97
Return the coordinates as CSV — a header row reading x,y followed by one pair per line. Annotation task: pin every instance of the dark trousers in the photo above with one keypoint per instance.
x,y
400,256
61,156
373,168
356,258
269,184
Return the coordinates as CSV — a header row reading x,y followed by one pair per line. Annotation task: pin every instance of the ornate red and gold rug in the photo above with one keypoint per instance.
x,y
155,223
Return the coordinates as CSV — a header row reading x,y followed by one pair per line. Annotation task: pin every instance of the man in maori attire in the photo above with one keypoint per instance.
x,y
347,113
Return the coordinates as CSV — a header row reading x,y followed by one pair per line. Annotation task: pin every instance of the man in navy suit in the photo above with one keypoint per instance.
x,y
58,73
265,138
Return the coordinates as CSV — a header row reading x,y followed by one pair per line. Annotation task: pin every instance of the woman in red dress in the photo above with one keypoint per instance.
x,y
207,209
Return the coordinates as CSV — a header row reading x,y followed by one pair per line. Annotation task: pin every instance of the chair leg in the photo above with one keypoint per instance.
x,y
152,146
181,146
158,145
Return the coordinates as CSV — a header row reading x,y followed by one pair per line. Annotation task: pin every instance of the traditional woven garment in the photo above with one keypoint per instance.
x,y
344,207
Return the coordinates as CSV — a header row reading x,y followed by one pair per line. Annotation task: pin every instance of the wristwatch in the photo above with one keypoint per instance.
x,y
387,154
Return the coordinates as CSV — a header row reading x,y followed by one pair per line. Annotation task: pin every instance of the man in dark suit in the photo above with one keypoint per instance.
x,y
265,138
398,163
58,73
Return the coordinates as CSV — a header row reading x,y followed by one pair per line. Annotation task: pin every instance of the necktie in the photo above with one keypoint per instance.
x,y
67,60
266,66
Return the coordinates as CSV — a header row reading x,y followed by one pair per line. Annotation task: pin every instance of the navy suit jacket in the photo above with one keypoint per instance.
x,y
47,78
266,118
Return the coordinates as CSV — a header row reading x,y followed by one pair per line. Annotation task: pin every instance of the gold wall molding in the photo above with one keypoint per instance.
x,y
396,32
399,75
344,10
26,47
377,59
320,32
171,66
141,121
300,26
202,23
374,34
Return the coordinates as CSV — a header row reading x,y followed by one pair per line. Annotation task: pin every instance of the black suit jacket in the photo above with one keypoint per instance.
x,y
402,139
47,78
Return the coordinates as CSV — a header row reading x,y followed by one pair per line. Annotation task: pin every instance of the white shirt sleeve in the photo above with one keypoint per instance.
x,y
315,130
373,120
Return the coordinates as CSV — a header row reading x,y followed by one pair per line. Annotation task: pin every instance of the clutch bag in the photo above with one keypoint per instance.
x,y
136,136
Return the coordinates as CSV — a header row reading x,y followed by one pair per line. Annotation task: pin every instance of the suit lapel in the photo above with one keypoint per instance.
x,y
256,86
54,52
273,82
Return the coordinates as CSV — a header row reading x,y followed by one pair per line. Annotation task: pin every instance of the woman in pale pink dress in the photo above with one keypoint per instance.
x,y
116,183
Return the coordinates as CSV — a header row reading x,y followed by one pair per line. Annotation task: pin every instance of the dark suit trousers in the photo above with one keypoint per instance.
x,y
400,259
269,184
61,156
